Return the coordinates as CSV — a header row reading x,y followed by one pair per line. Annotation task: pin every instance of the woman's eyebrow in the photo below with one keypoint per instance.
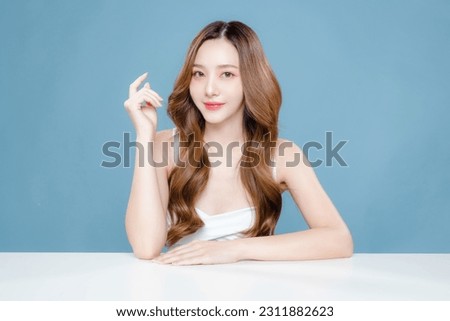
x,y
219,66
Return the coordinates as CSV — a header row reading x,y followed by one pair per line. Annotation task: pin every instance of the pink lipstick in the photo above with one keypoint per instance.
x,y
211,105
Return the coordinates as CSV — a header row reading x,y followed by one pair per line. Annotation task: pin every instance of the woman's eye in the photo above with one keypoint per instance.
x,y
227,74
197,74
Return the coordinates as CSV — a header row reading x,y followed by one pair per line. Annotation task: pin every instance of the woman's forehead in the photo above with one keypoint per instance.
x,y
215,53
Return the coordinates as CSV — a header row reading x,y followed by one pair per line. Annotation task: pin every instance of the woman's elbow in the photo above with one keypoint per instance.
x,y
346,244
340,243
146,255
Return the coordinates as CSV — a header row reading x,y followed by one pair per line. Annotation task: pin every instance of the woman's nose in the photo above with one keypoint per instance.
x,y
211,88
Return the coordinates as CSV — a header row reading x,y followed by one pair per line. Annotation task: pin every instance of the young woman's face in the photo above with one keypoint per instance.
x,y
216,79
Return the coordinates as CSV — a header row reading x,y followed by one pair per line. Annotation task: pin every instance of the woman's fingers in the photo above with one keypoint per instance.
x,y
185,249
141,99
156,94
181,256
144,119
147,88
152,99
187,258
134,86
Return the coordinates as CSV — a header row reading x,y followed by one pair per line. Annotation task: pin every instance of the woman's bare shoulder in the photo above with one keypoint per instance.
x,y
164,135
286,148
164,148
287,154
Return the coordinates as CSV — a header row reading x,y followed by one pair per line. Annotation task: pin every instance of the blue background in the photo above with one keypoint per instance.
x,y
375,73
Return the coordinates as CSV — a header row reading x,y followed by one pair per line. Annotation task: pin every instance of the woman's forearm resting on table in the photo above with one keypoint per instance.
x,y
316,243
145,217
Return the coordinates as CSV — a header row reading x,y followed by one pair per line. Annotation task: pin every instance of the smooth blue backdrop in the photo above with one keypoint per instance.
x,y
375,73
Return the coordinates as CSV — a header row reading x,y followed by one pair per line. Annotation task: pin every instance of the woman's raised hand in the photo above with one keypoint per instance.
x,y
141,107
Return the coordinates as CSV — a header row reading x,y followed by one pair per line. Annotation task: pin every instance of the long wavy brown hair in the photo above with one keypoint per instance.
x,y
262,101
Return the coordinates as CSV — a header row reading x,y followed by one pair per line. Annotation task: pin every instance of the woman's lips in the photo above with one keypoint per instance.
x,y
213,105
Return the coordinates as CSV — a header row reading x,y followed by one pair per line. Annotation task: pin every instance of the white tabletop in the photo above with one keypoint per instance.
x,y
120,276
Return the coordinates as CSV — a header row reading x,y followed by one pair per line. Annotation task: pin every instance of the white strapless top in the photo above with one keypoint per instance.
x,y
220,227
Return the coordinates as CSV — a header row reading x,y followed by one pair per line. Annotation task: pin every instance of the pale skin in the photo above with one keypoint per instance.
x,y
216,78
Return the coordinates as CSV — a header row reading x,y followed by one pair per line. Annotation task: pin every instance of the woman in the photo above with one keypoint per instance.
x,y
222,177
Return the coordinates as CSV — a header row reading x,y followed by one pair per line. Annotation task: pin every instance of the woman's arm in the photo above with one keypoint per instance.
x,y
328,236
316,243
145,220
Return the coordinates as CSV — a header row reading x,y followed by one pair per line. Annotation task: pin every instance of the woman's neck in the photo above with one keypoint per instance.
x,y
224,133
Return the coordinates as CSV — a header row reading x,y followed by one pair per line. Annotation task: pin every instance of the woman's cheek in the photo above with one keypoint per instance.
x,y
193,90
